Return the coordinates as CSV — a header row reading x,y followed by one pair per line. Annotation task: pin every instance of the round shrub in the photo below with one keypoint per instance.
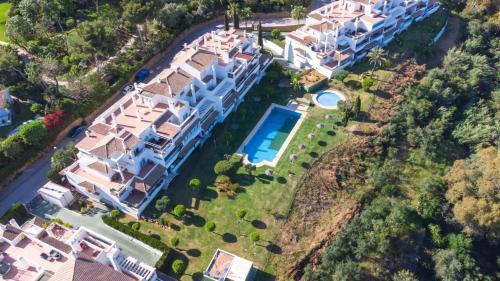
x,y
136,226
367,83
178,266
341,75
255,236
210,226
223,167
114,214
195,185
179,210
241,213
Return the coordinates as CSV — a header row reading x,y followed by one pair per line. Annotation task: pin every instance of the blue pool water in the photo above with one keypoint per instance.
x,y
270,136
328,98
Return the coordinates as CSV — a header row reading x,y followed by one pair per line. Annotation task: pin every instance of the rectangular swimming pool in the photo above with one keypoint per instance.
x,y
266,142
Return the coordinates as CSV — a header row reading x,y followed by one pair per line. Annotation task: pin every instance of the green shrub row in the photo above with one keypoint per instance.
x,y
153,242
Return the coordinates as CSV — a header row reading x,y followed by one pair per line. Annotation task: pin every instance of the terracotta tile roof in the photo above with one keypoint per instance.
x,y
99,166
244,56
90,187
316,16
323,26
179,80
202,59
44,237
157,88
372,20
87,270
153,177
110,147
165,128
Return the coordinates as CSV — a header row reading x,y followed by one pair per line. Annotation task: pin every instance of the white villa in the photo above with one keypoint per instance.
x,y
5,113
342,32
135,148
30,252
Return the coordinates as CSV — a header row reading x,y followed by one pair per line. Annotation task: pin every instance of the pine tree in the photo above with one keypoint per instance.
x,y
226,22
357,106
260,41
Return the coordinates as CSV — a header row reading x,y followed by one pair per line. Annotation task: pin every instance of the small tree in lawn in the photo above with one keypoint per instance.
x,y
174,241
357,106
376,58
195,185
178,266
210,226
240,215
260,40
161,203
255,236
179,211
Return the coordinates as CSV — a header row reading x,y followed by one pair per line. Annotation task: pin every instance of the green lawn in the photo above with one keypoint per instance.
x,y
267,201
4,11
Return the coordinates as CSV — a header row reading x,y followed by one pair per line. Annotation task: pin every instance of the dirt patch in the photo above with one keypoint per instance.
x,y
449,39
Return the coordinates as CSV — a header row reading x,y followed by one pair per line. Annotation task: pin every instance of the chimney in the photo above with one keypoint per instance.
x,y
150,105
122,109
135,85
170,90
158,80
13,222
87,133
114,119
185,45
153,127
138,114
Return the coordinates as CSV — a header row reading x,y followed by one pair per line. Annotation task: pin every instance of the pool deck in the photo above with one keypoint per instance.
x,y
292,107
337,92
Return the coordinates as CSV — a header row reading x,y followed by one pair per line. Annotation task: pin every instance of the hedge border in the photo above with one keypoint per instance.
x,y
153,242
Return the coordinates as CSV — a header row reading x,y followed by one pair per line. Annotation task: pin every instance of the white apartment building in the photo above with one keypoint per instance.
x,y
30,252
136,147
342,32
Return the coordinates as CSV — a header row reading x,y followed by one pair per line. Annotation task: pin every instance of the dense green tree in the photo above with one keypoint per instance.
x,y
33,133
11,147
162,203
299,13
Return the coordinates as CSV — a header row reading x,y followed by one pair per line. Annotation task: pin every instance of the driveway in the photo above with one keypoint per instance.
x,y
93,222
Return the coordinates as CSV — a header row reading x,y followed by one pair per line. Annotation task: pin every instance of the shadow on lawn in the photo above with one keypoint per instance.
x,y
259,224
229,238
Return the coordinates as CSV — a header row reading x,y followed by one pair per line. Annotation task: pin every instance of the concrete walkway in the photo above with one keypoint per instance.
x,y
93,222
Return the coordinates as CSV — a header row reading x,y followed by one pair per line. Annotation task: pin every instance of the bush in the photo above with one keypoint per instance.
x,y
276,33
367,83
17,212
195,185
54,119
223,167
179,210
33,133
153,242
161,203
178,266
114,214
341,75
36,108
210,226
136,226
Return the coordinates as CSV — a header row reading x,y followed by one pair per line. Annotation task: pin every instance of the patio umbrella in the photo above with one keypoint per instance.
x,y
269,172
302,146
293,157
328,116
311,136
320,125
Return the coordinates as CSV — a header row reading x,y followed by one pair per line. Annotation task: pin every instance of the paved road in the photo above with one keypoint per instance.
x,y
93,222
24,187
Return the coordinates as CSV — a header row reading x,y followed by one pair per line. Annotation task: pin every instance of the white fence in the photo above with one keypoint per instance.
x,y
277,50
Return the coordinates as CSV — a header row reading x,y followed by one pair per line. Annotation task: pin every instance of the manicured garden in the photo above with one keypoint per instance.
x,y
212,217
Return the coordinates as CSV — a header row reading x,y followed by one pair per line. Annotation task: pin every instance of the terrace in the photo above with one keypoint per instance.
x,y
226,266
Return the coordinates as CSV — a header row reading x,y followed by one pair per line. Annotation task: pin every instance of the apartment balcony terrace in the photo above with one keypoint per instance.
x,y
158,144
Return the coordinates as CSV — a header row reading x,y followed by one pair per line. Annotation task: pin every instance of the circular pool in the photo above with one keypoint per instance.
x,y
328,99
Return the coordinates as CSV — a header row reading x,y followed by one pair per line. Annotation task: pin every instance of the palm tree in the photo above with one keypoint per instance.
x,y
376,57
295,83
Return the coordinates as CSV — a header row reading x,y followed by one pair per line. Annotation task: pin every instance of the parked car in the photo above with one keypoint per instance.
x,y
55,254
46,257
75,131
141,75
127,89
4,269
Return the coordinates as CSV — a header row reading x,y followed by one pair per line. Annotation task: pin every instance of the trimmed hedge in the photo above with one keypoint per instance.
x,y
18,212
161,264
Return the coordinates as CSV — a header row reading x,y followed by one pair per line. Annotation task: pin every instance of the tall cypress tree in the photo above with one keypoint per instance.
x,y
259,38
226,22
236,18
357,106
